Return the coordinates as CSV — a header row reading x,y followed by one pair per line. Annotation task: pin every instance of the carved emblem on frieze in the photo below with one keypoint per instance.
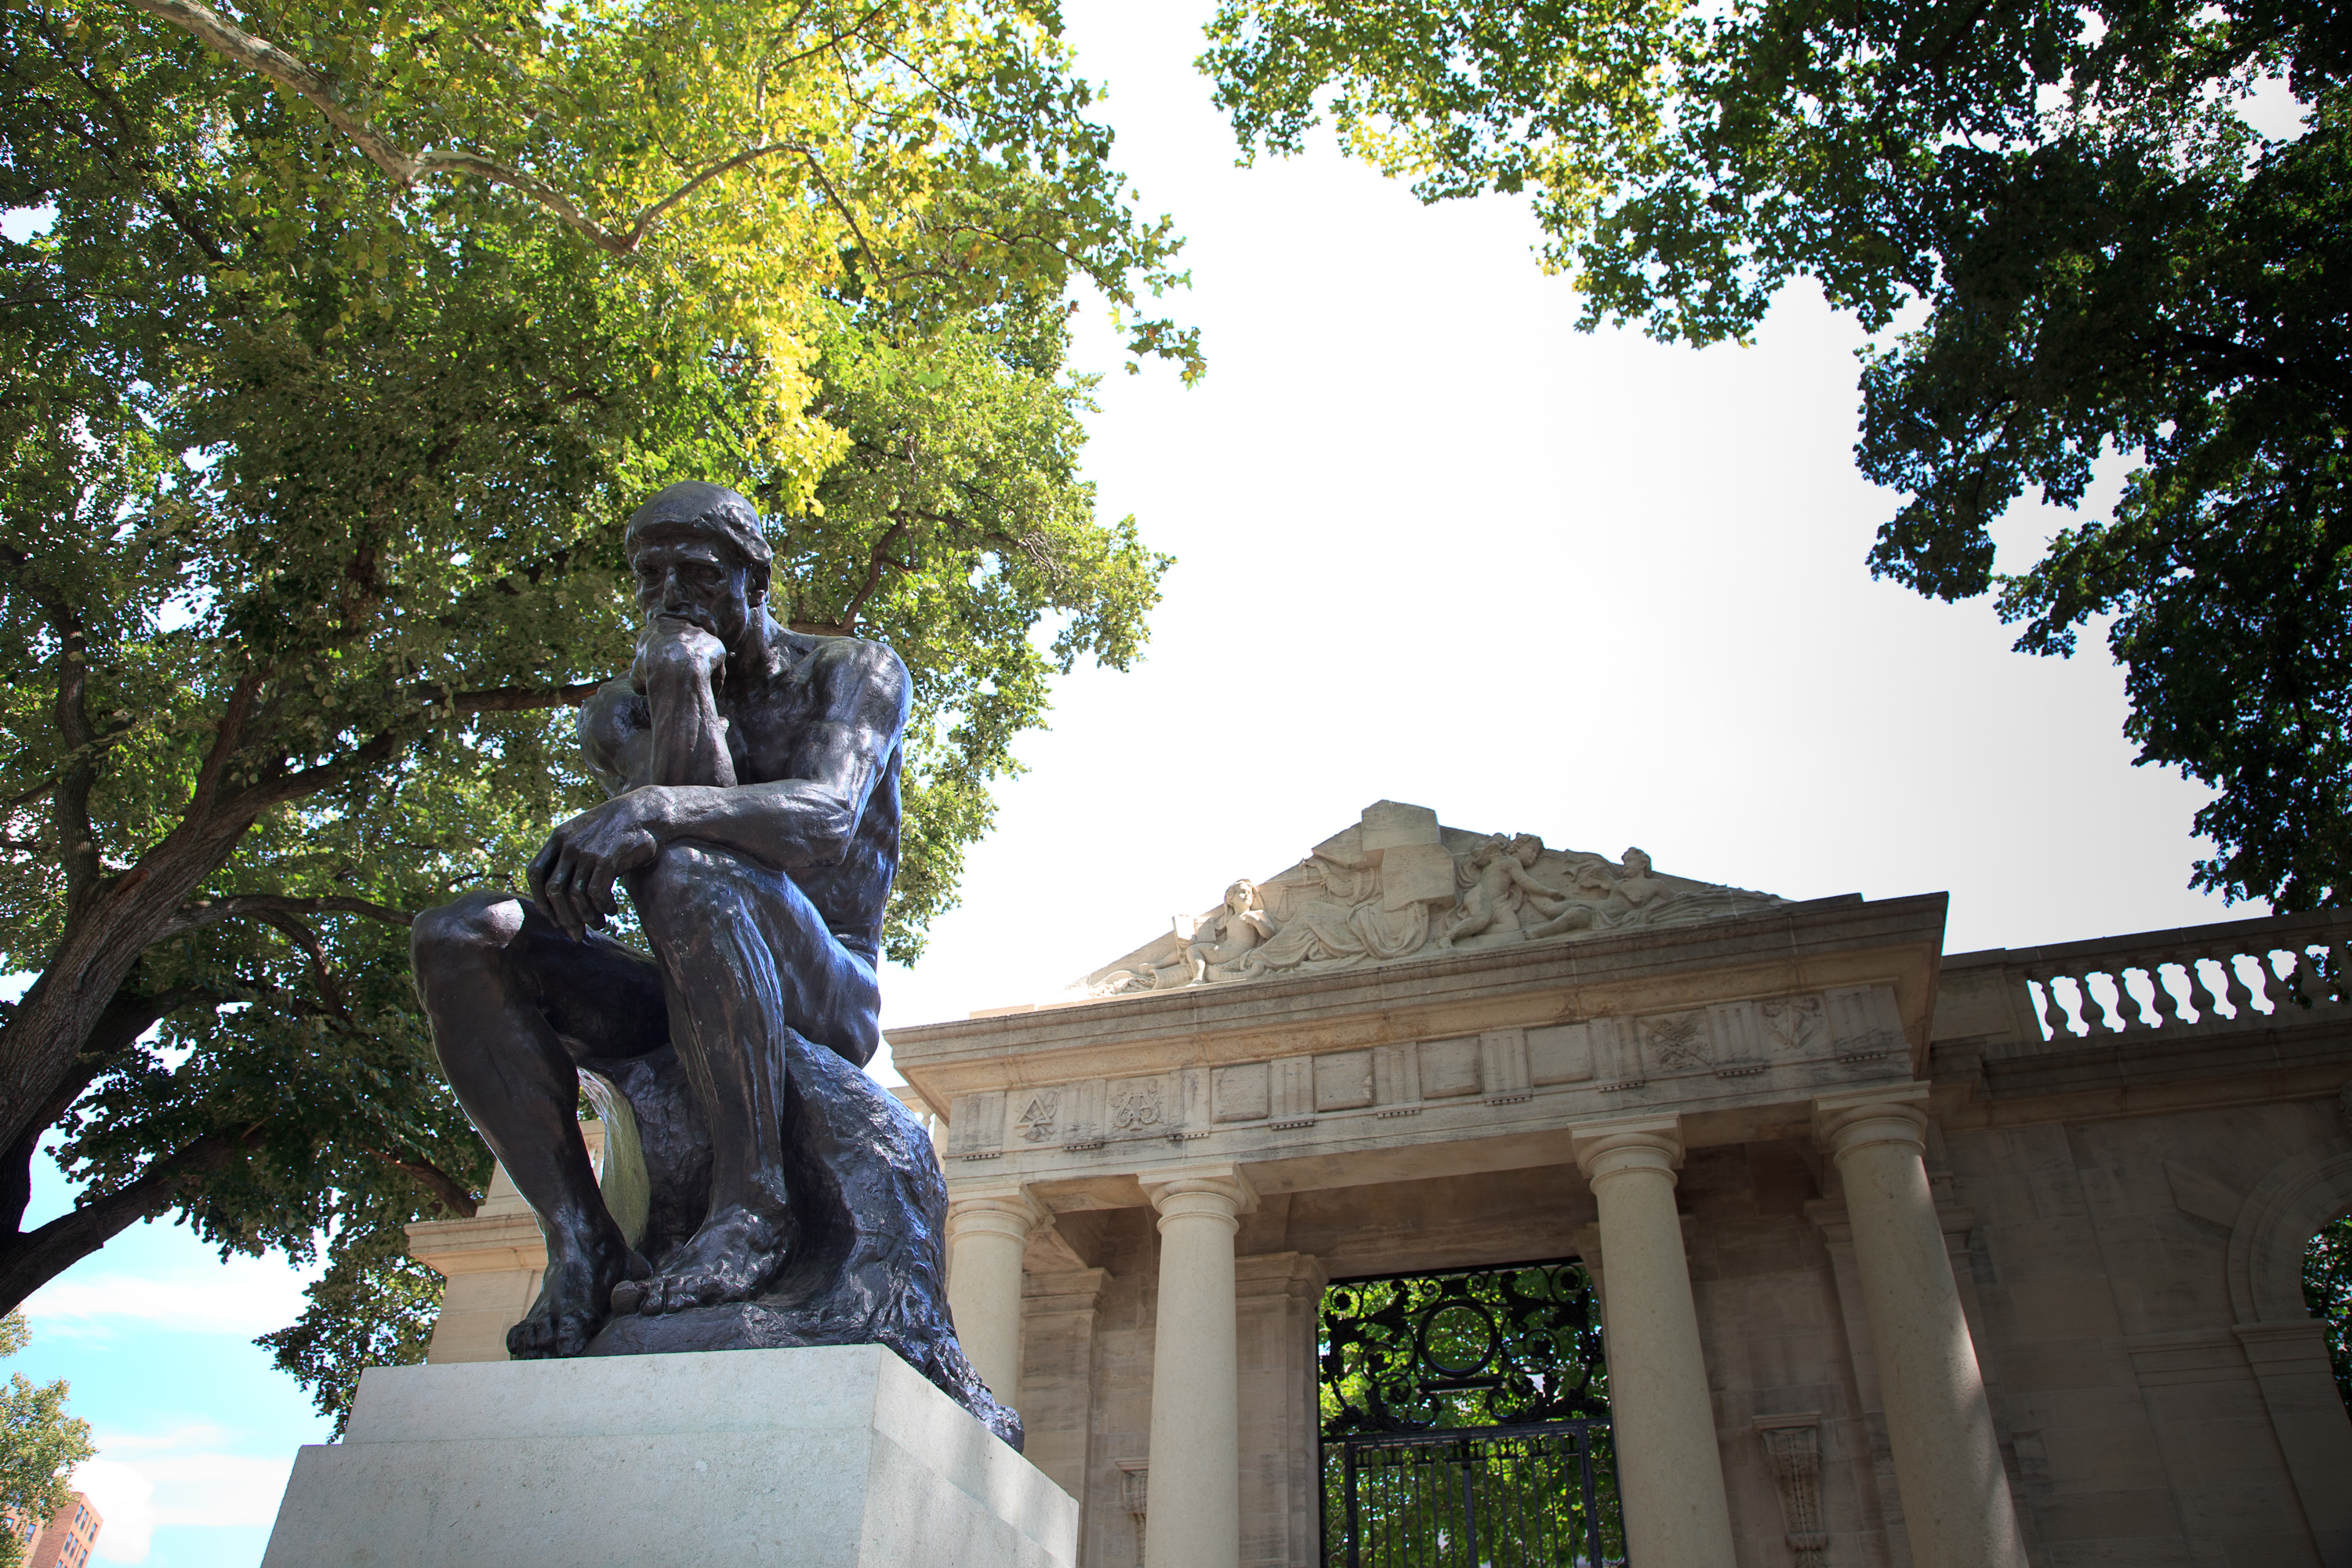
x,y
1794,1024
1137,1107
1679,1042
1036,1122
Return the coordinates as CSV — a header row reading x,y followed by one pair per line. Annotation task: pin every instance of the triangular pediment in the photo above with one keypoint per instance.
x,y
1399,884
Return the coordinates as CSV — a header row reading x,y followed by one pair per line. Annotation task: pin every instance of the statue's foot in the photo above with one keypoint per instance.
x,y
574,1298
734,1254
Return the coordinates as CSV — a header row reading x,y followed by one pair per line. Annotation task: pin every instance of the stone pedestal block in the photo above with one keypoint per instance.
x,y
834,1457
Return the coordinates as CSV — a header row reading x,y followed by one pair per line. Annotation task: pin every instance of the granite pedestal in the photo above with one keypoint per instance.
x,y
834,1457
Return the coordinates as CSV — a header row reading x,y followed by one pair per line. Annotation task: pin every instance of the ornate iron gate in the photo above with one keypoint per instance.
x,y
1466,1421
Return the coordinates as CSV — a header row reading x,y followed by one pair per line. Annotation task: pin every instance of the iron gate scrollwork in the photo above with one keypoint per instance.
x,y
1465,1420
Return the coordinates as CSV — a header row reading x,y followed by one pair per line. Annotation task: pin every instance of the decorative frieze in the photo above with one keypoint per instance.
x,y
1642,1055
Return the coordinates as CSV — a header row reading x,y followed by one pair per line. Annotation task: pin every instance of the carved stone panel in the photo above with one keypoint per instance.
x,y
1396,1076
1240,1093
1503,1065
1142,1108
1343,1080
1294,1091
1794,1027
1616,1056
1738,1038
1040,1118
1677,1043
1449,1068
1084,1114
1863,1022
976,1124
1561,1053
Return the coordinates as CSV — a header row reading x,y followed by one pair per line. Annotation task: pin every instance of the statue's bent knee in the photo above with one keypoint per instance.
x,y
689,885
466,931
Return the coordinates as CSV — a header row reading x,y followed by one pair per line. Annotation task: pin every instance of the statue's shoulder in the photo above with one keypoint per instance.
x,y
851,665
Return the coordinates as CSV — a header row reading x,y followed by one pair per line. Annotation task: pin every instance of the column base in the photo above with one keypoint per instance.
x,y
820,1457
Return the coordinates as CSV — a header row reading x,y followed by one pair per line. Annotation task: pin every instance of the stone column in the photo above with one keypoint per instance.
x,y
1957,1509
987,1232
1669,1467
1195,1459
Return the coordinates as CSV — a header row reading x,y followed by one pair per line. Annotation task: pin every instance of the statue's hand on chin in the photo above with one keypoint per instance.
x,y
673,645
571,880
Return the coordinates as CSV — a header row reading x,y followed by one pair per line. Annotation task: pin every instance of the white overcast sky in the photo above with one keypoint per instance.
x,y
1434,545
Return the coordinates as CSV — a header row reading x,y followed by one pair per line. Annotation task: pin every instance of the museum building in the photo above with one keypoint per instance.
x,y
1450,1198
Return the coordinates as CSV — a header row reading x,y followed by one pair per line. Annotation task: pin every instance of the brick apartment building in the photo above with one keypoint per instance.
x,y
64,1539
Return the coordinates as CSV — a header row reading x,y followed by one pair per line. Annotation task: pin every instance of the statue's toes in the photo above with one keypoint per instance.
x,y
528,1340
629,1296
573,1332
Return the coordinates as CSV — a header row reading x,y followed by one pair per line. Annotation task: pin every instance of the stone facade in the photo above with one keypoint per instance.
x,y
1989,1258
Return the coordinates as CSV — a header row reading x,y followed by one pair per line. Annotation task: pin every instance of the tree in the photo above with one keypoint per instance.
x,y
40,1444
354,335
2327,1291
2108,260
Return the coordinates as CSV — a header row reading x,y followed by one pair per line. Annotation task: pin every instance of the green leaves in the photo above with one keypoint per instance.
x,y
39,1442
355,335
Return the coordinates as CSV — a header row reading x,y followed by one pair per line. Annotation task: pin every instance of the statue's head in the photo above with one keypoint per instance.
x,y
1242,897
697,551
1636,863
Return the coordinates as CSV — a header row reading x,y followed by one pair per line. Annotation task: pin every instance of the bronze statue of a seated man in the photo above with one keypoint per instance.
x,y
754,824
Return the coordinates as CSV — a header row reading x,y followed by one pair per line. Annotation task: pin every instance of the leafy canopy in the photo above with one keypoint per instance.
x,y
40,1444
2108,258
354,336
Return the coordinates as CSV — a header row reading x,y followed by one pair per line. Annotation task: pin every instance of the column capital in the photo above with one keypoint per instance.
x,y
1007,1210
1606,1149
1857,1118
1220,1189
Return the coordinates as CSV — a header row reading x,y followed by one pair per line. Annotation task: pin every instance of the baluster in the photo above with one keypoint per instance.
x,y
2212,986
2178,1004
2241,996
2240,1001
2302,980
2338,964
2142,1016
2069,1012
2026,984
2114,1017
2042,987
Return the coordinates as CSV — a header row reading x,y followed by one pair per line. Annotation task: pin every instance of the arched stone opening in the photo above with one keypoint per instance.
x,y
2285,1344
2328,1293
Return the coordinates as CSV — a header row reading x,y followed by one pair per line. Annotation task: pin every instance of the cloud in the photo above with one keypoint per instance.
x,y
244,1296
141,1481
125,1501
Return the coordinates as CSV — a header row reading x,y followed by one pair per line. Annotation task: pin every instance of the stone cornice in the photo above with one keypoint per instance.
x,y
1795,948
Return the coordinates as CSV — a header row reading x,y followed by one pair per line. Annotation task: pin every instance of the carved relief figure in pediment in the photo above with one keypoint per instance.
x,y
1225,938
1399,884
1340,920
1503,888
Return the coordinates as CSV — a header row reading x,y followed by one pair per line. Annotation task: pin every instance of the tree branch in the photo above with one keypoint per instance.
x,y
523,699
305,80
202,912
29,1260
880,558
306,939
452,1195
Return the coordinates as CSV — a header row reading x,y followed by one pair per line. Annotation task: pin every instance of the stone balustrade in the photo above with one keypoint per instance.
x,y
2238,974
